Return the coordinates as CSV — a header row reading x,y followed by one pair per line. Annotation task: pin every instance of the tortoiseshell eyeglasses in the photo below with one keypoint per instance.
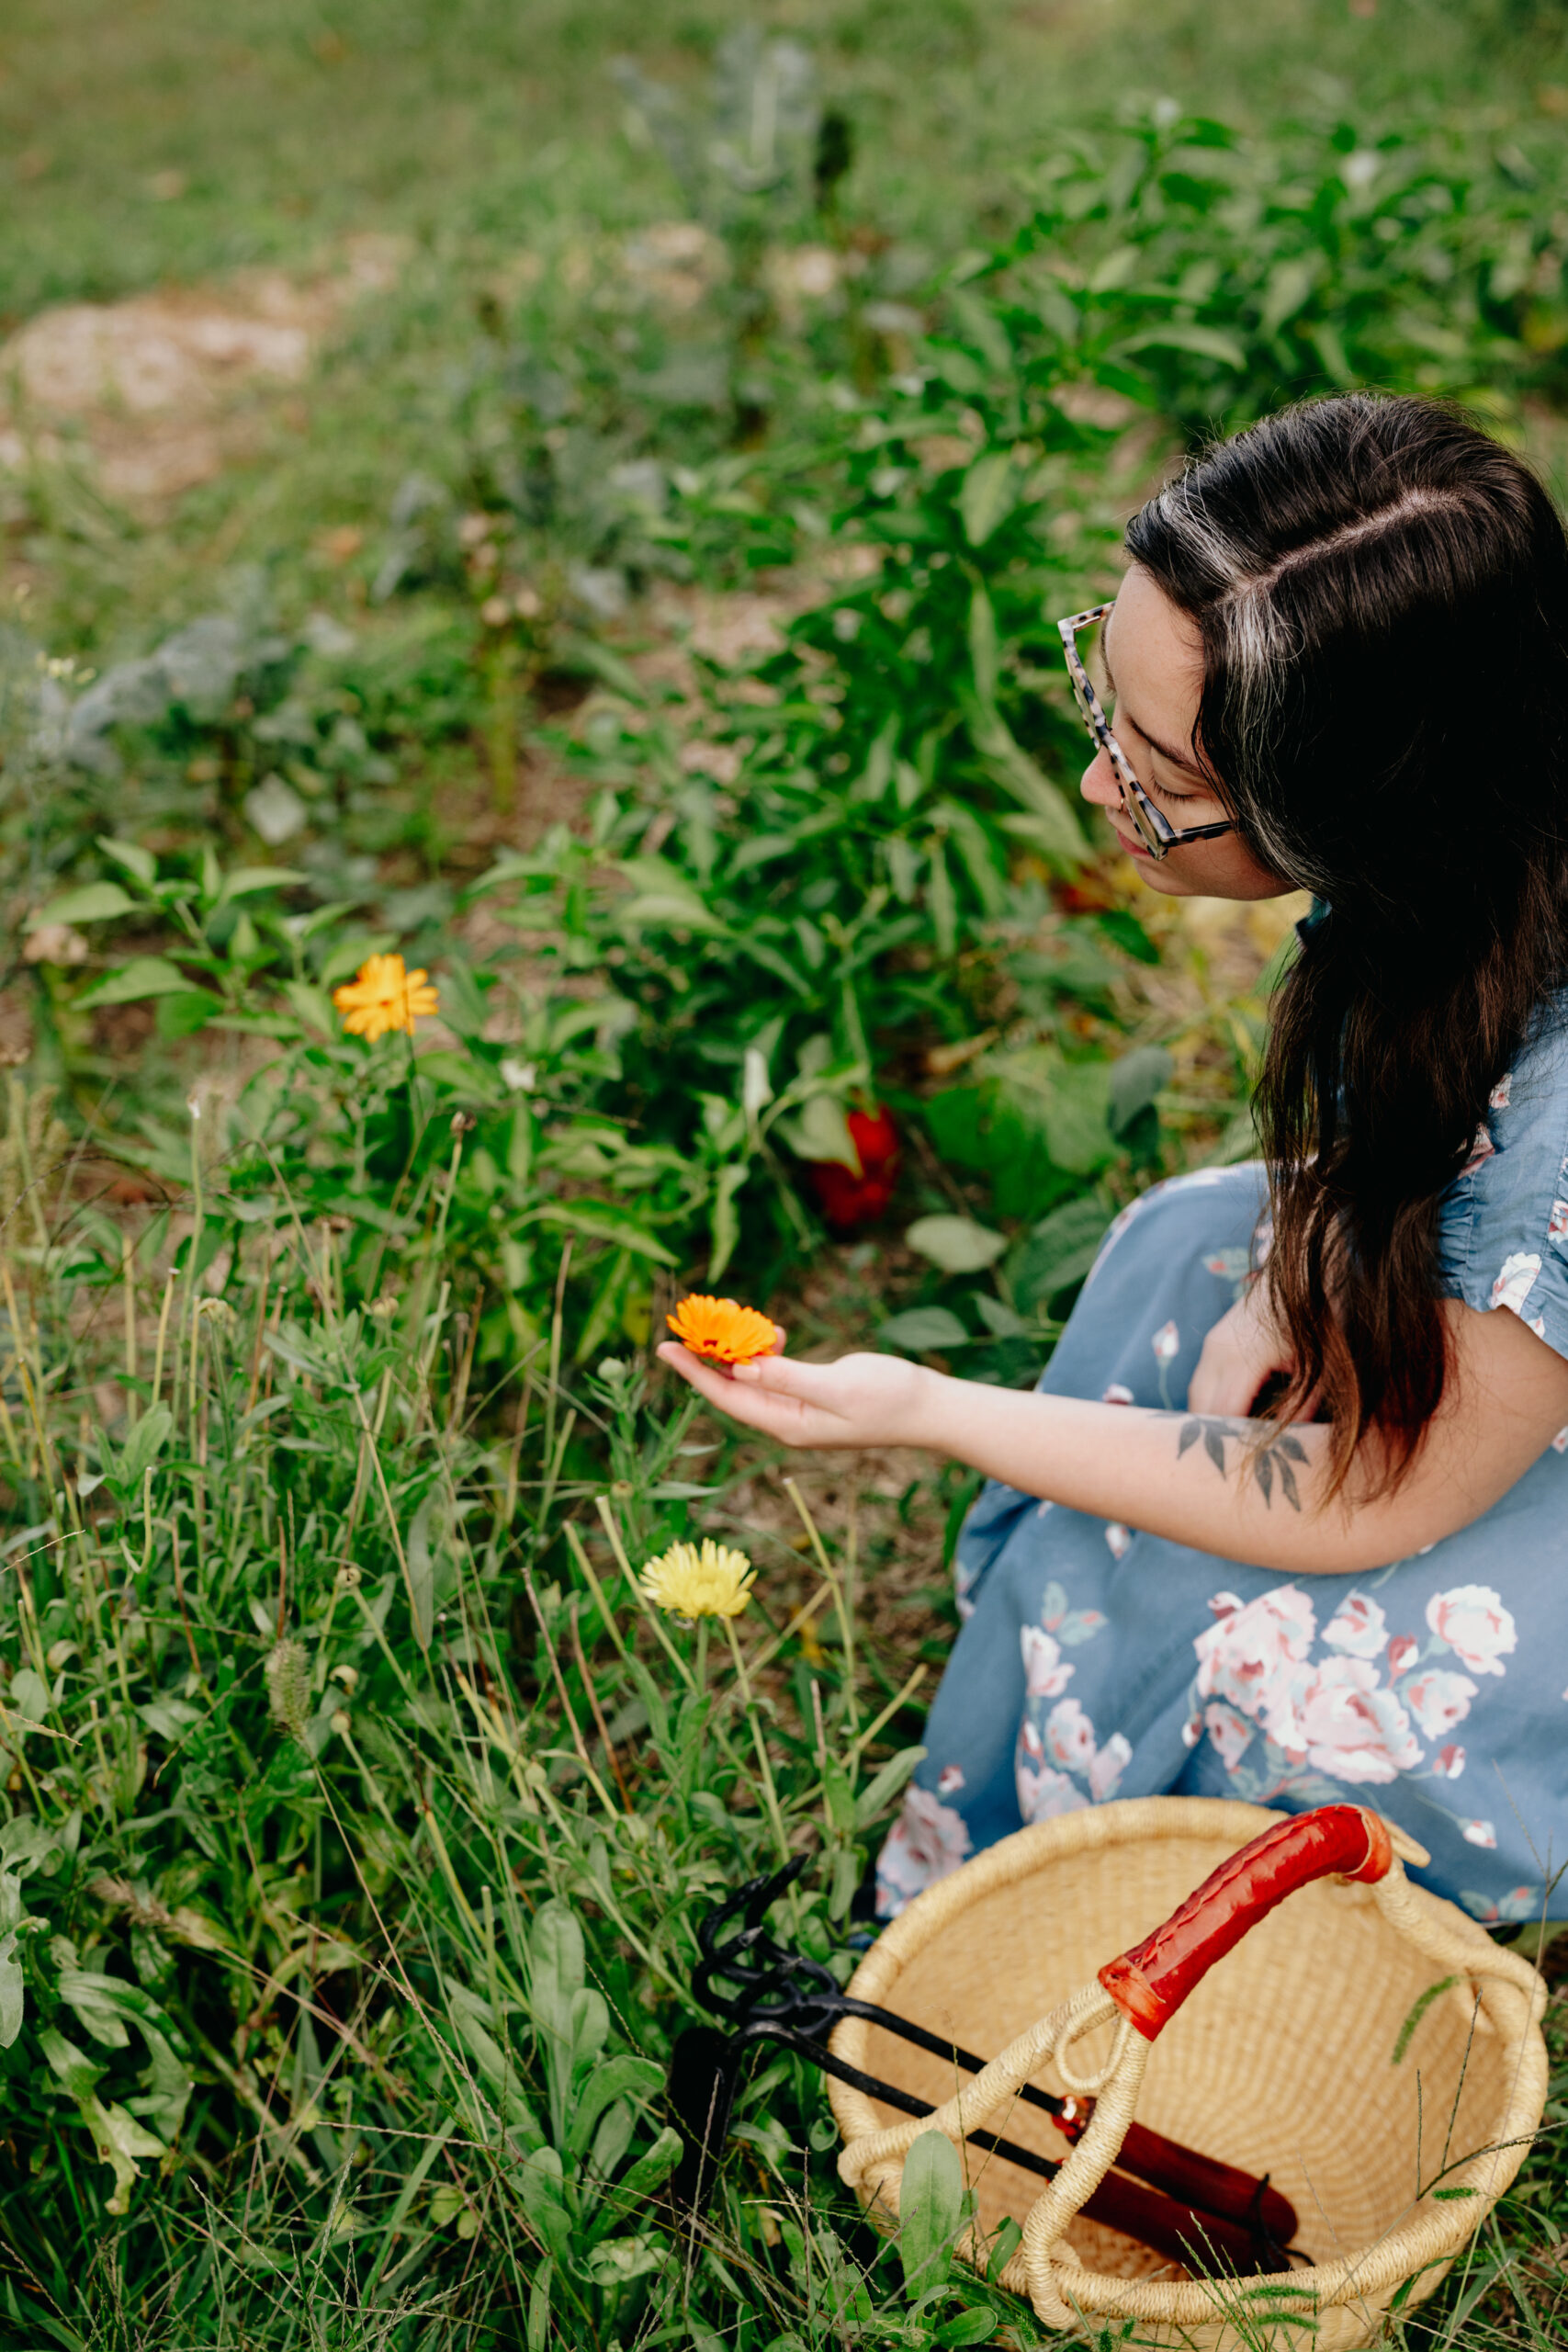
x,y
1154,828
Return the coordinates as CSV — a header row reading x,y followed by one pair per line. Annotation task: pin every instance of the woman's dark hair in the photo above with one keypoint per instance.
x,y
1382,596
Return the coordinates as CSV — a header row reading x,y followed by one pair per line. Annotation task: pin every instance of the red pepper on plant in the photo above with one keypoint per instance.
x,y
848,1197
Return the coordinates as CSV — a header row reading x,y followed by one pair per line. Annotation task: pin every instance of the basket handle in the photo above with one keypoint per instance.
x,y
1149,1983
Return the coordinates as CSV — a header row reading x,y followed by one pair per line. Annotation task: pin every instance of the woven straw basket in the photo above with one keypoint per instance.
x,y
1297,2057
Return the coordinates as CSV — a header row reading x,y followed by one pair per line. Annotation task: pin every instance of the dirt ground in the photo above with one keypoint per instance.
x,y
155,394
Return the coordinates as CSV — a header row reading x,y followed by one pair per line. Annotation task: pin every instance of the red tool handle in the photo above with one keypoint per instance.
x,y
1149,1984
1206,2183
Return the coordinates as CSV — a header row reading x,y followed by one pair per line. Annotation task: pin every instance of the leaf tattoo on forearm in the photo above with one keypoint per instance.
x,y
1275,1457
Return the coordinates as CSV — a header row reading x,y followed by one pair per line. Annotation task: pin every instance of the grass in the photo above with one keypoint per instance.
x,y
360,1814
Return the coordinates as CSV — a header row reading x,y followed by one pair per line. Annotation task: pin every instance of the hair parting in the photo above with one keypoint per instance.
x,y
1382,593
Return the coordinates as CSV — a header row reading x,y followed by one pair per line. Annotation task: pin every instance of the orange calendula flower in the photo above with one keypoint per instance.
x,y
723,1331
383,996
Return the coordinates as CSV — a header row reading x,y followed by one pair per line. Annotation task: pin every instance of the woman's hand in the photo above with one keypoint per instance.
x,y
1244,1348
860,1400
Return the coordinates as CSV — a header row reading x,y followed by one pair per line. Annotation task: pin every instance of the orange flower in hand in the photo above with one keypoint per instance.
x,y
383,996
724,1332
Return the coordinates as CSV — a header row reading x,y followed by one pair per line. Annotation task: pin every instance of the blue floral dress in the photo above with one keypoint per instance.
x,y
1097,1662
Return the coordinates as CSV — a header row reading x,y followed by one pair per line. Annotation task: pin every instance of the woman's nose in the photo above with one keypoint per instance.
x,y
1098,783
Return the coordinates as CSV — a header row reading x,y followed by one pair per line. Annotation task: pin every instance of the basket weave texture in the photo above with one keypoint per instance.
x,y
1295,2057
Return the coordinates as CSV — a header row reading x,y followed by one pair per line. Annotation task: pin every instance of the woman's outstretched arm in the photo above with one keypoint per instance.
x,y
1199,1479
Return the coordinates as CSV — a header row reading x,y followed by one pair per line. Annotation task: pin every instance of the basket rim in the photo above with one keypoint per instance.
x,y
1419,2248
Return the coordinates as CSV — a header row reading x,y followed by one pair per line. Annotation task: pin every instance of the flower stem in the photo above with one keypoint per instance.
x,y
770,1793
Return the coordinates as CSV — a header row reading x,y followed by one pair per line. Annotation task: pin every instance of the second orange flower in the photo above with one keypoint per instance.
x,y
382,995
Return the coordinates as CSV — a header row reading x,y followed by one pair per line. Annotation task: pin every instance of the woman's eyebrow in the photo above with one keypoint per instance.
x,y
1177,758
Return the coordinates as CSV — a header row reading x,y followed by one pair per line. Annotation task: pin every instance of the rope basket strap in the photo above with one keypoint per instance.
x,y
1137,1993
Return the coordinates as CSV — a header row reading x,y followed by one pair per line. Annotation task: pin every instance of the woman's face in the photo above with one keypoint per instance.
x,y
1153,663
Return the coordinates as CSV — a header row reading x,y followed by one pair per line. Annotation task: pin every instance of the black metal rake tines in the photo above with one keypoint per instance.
x,y
1209,2216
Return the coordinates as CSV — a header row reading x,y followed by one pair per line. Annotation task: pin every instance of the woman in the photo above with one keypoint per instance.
x,y
1339,661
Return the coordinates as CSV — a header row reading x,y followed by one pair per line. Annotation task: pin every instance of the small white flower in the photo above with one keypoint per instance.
x,y
1119,1538
1478,1833
1166,1342
1498,1098
520,1077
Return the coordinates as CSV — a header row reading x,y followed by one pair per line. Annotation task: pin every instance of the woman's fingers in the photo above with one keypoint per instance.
x,y
778,1409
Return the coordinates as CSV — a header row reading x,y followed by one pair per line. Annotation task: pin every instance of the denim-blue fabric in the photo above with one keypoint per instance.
x,y
1095,1661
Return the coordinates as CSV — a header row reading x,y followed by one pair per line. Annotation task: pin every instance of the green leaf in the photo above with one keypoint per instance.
x,y
1288,285
313,1007
12,1988
984,656
137,862
625,2078
1136,1080
956,1244
645,2175
144,976
95,902
618,2260
605,1225
930,2209
1177,334
987,494
1059,1251
880,1791
922,1330
247,879
145,1443
839,1795
725,1223
663,898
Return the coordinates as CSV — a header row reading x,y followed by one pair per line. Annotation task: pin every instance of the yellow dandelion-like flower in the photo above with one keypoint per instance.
x,y
712,1582
383,996
723,1331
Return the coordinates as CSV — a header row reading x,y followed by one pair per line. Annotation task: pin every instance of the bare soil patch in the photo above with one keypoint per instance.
x,y
151,392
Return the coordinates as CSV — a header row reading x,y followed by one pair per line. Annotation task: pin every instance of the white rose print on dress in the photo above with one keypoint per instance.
x,y
1043,1795
1517,1280
1119,1538
1449,1763
949,1779
1498,1098
1438,1700
1354,1729
1109,1762
1481,1150
1057,1748
1357,1628
1069,1735
1478,1833
1231,1733
1044,1674
1253,1656
1117,1394
928,1841
1401,1652
1557,1223
1473,1623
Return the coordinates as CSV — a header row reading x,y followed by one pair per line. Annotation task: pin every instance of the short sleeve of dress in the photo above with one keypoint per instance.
x,y
1503,1233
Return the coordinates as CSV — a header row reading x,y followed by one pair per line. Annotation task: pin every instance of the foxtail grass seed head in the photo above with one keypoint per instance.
x,y
287,1672
689,1582
381,996
722,1330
